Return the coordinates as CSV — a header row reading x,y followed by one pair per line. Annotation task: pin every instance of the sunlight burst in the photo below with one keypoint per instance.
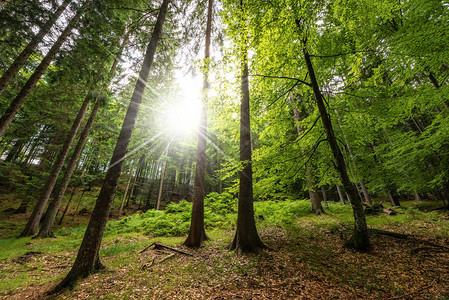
x,y
183,114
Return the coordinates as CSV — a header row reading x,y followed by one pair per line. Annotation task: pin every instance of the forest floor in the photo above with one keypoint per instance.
x,y
304,261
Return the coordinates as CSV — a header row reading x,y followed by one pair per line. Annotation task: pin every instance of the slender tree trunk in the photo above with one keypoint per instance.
x,y
53,208
161,185
340,194
20,99
25,54
197,234
323,192
362,183
360,238
67,206
246,238
33,223
124,196
87,259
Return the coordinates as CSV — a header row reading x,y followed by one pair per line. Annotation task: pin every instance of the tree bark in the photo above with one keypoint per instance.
x,y
33,223
25,54
197,233
50,216
20,99
87,259
246,238
360,238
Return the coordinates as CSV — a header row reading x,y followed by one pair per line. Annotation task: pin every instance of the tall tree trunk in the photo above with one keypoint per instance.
x,y
67,206
360,238
47,225
124,195
340,194
87,259
197,234
20,99
23,56
33,223
246,238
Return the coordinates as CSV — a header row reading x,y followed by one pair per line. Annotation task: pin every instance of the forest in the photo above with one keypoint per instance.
x,y
224,149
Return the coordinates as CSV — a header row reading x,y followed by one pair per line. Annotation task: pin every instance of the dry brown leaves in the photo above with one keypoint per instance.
x,y
313,266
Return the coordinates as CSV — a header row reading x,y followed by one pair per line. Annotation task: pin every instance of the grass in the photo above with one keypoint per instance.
x,y
306,256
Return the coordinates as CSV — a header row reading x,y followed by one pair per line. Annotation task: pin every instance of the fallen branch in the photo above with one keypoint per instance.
x,y
159,246
167,257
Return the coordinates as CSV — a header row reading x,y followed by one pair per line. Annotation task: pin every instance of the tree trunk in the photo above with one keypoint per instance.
x,y
20,99
362,183
67,206
161,185
33,223
23,56
340,194
246,238
47,225
394,198
87,259
360,238
124,196
323,191
197,234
